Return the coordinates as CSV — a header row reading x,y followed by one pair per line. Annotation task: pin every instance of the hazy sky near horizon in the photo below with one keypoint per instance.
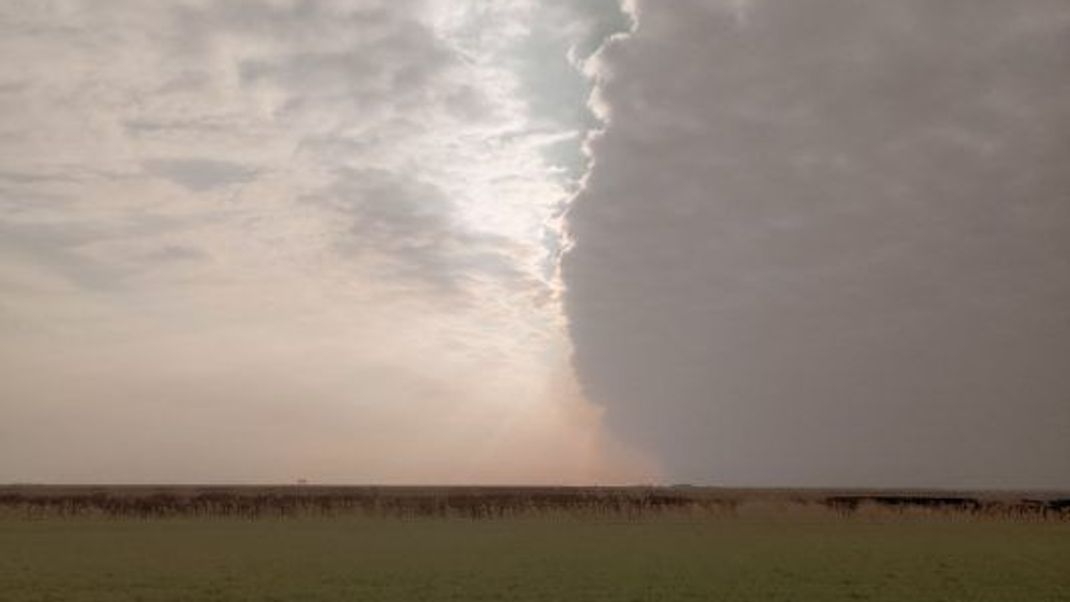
x,y
740,242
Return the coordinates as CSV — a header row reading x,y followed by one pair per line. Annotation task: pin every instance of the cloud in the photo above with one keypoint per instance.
x,y
413,228
826,242
55,248
198,175
249,109
259,240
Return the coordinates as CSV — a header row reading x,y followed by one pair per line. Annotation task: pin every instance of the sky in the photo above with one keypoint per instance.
x,y
728,242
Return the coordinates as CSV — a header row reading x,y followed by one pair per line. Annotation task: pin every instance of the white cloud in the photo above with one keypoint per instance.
x,y
292,214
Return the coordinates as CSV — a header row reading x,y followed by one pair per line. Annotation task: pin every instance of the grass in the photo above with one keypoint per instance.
x,y
373,559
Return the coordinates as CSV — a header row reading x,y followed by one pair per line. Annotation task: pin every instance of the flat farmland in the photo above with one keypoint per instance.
x,y
768,551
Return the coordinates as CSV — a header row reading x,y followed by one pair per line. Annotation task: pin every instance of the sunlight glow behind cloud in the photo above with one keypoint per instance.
x,y
255,241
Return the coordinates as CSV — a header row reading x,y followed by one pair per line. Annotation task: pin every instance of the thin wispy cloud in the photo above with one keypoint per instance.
x,y
312,237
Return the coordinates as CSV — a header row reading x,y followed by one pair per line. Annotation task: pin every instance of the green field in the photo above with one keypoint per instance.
x,y
566,559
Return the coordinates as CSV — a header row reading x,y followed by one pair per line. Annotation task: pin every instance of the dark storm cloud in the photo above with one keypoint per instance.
x,y
828,242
